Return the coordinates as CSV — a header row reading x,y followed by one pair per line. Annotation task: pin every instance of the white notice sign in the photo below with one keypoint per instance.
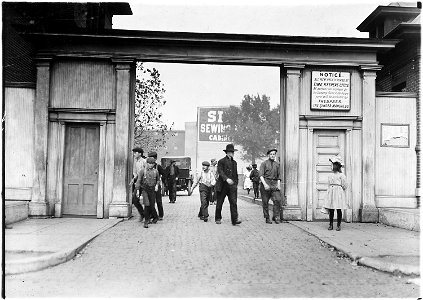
x,y
330,90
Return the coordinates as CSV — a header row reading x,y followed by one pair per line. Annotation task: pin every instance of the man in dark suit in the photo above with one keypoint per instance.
x,y
172,174
226,185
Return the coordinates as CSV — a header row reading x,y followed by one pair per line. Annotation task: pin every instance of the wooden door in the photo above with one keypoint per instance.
x,y
81,164
326,143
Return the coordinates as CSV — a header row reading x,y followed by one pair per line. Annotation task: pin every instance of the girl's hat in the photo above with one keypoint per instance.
x,y
336,159
206,163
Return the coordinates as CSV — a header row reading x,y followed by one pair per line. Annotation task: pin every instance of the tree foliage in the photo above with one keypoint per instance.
x,y
151,132
253,125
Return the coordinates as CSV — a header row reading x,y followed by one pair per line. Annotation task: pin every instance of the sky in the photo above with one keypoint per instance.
x,y
191,86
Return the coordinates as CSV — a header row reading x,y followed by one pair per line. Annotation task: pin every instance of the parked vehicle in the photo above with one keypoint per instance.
x,y
185,178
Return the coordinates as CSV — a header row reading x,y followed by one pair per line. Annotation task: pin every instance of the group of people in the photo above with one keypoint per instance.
x,y
218,180
147,177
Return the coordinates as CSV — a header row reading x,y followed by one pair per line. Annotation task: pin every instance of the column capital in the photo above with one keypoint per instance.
x,y
43,61
123,63
293,69
370,70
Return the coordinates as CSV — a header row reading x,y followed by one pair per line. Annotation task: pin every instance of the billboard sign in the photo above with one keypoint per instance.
x,y
210,124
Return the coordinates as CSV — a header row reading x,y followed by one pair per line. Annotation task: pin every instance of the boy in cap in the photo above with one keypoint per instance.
x,y
226,185
148,180
255,178
270,186
139,163
207,182
158,199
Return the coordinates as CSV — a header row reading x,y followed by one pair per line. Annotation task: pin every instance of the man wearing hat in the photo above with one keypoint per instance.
x,y
270,186
158,199
226,185
139,163
206,180
171,177
255,178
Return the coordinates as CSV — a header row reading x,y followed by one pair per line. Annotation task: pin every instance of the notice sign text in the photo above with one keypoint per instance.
x,y
330,90
210,125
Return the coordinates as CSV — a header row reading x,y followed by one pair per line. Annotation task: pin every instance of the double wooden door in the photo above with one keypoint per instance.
x,y
81,163
326,143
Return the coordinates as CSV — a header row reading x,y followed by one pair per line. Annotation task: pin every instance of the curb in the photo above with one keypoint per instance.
x,y
49,260
372,262
377,263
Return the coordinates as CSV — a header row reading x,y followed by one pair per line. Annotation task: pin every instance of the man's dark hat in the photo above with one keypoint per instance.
x,y
270,150
172,161
230,148
254,165
138,149
152,154
206,163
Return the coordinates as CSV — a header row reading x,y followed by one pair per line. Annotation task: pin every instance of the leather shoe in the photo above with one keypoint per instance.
x,y
237,222
218,222
205,219
330,227
338,228
145,225
268,221
277,221
155,220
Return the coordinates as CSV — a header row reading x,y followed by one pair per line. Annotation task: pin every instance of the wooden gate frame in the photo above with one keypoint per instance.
x,y
59,120
347,124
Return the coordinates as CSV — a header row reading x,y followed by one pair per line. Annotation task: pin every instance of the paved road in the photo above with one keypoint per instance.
x,y
185,257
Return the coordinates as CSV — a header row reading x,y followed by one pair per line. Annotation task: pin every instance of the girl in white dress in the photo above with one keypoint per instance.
x,y
336,198
248,184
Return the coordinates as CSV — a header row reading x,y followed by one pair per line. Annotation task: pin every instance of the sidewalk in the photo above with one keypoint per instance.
x,y
378,246
36,244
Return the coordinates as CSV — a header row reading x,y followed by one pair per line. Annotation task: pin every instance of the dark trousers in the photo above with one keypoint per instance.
x,y
149,196
136,201
338,216
158,200
171,185
256,189
205,198
232,192
276,197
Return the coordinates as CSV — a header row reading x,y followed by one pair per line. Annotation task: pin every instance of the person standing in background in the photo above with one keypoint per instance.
x,y
172,174
255,178
213,169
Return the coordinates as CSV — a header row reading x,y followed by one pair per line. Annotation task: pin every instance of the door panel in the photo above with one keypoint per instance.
x,y
326,143
81,169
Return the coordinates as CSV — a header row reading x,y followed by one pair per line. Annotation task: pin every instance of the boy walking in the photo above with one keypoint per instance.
x,y
148,180
207,182
255,178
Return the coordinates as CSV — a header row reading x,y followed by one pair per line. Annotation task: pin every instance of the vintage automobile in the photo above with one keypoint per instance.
x,y
185,178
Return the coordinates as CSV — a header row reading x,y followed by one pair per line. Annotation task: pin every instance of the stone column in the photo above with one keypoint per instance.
x,y
290,101
120,206
38,205
369,212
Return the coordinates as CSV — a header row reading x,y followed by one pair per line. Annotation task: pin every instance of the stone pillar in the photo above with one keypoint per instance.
x,y
369,212
125,72
290,134
38,205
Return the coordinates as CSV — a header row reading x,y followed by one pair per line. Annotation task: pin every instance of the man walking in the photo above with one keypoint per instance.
x,y
270,186
158,199
172,174
213,169
226,185
255,178
139,164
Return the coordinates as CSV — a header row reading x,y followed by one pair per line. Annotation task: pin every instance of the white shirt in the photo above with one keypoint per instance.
x,y
138,165
206,178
